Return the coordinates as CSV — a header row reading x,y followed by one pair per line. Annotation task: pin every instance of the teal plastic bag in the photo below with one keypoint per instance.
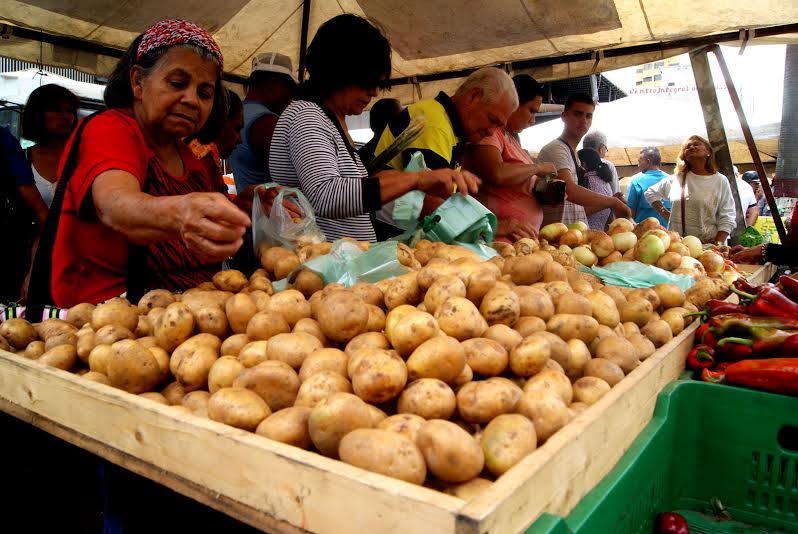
x,y
636,274
347,264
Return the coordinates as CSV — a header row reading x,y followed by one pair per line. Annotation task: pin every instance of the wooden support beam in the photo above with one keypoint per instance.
x,y
715,130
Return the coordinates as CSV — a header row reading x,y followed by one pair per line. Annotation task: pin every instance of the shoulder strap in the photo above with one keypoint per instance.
x,y
684,204
580,173
39,293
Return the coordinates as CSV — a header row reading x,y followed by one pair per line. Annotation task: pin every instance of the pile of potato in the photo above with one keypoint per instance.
x,y
446,376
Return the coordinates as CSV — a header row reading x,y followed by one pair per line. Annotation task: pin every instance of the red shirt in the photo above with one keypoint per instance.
x,y
89,258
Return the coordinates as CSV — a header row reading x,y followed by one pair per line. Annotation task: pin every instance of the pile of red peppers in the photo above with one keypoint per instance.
x,y
753,343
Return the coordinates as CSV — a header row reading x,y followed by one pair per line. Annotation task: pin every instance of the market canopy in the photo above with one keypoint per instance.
x,y
435,42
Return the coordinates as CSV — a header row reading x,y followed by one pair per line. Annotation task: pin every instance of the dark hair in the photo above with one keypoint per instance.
x,y
652,154
263,76
527,88
215,122
119,91
582,98
45,98
591,161
382,112
346,50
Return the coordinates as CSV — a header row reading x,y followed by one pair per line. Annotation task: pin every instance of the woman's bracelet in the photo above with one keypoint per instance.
x,y
764,253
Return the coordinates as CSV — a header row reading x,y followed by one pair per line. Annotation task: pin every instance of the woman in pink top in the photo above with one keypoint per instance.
x,y
508,172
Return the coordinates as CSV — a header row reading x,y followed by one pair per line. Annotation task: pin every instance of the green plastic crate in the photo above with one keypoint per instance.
x,y
705,441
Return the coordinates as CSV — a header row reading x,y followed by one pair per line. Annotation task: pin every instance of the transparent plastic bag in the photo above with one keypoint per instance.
x,y
637,274
279,228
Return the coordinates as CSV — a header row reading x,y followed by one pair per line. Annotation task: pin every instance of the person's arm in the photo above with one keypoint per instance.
x,y
33,199
726,214
211,226
657,193
751,215
486,162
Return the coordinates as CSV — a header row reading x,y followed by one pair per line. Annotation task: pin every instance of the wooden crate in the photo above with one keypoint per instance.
x,y
279,488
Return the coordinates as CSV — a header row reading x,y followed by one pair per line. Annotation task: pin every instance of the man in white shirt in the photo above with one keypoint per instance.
x,y
577,118
747,199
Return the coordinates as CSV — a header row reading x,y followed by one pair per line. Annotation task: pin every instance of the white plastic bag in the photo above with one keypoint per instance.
x,y
280,228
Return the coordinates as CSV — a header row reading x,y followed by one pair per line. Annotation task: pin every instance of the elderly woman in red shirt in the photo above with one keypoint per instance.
x,y
138,207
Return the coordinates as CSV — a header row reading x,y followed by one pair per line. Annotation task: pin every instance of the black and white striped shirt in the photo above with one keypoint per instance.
x,y
309,152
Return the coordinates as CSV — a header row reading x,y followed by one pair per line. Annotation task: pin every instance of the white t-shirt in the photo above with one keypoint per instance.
x,y
710,206
46,187
747,195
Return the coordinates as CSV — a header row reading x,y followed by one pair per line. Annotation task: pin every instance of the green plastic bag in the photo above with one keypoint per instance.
x,y
751,237
347,264
636,274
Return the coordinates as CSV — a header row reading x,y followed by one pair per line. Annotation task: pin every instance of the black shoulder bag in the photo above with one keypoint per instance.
x,y
581,179
39,293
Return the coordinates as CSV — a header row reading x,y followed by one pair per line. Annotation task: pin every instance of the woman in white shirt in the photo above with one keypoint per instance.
x,y
699,191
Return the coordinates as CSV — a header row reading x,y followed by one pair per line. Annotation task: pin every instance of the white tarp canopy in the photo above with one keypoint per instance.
x,y
16,86
427,36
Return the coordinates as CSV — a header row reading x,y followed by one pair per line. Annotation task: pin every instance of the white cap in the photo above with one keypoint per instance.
x,y
273,62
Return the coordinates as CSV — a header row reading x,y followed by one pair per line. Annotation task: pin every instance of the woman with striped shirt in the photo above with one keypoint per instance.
x,y
311,148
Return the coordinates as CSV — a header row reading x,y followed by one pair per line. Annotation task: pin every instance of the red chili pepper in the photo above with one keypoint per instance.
x,y
701,357
704,335
790,286
743,285
734,349
777,375
789,349
671,523
733,323
718,307
768,301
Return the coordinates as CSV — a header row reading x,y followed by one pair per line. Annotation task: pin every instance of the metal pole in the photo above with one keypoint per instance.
x,y
303,39
715,129
749,139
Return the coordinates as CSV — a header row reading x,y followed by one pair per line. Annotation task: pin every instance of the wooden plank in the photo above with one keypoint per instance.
x,y
204,459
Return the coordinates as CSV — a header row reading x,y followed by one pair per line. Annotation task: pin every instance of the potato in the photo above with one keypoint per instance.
x,y
375,340
526,326
239,310
80,314
450,452
480,282
553,271
546,410
589,389
114,312
98,358
97,377
310,326
560,351
324,359
269,256
157,298
191,362
534,302
468,490
637,310
261,298
604,309
507,440
466,376
54,328
557,289
197,402
460,319
62,357
111,333
35,349
289,425
674,317
504,335
274,381
253,353
620,352
175,326
643,346
285,266
428,398
530,356
132,367
480,401
433,270
441,289
238,407
441,357
232,345
212,320
384,452
485,356
63,338
319,386
525,270
291,304
5,346
670,295
223,372
333,418
580,355
163,359
266,324
552,382
606,370
308,282
630,329
260,284
174,393
574,303
292,348
402,290
154,316
342,316
412,330
406,424
18,332
500,306
577,408
569,326
379,377
154,396
198,298
658,331
376,322
368,293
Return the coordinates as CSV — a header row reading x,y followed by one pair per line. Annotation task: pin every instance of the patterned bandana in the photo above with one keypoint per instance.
x,y
174,32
